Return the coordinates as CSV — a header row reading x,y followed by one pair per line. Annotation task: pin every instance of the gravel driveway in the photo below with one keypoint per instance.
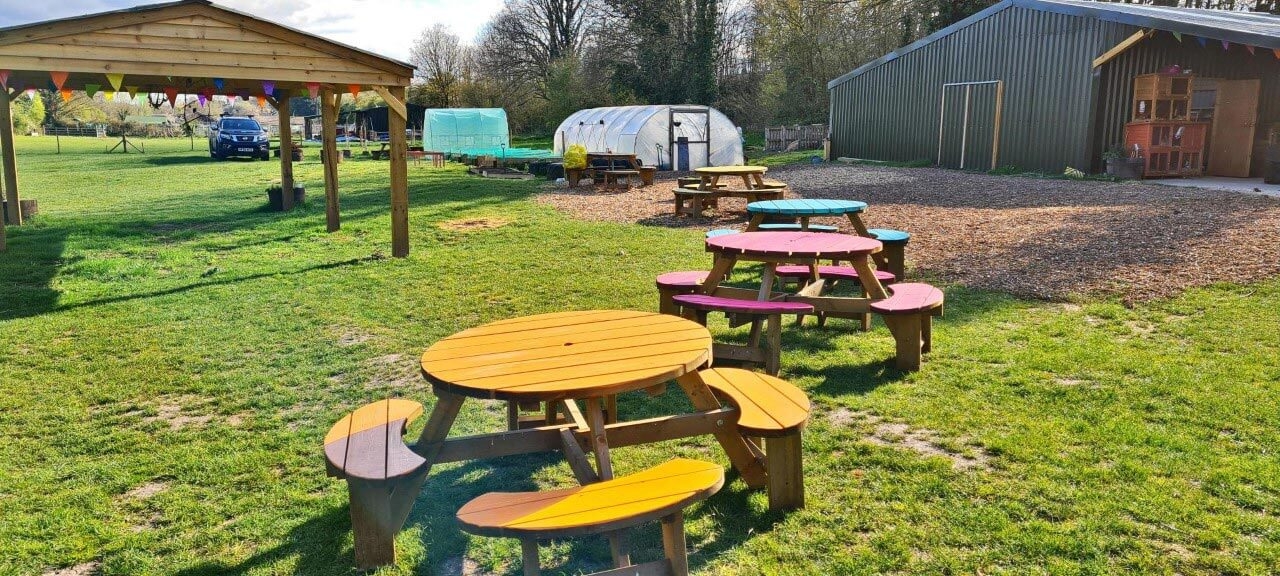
x,y
1046,239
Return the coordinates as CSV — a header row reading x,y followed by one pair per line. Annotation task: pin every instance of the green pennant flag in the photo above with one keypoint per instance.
x,y
91,89
1178,35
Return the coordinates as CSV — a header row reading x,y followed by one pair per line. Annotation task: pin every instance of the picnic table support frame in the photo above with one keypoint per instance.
x,y
10,162
329,121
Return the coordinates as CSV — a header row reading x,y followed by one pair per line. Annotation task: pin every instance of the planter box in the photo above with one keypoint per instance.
x,y
1130,169
276,202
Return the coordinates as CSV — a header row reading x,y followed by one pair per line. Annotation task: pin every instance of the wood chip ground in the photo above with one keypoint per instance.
x,y
1037,238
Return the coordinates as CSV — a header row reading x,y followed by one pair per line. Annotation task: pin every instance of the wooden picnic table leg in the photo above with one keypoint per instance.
x,y
855,218
746,458
746,182
756,221
723,266
767,279
759,178
600,445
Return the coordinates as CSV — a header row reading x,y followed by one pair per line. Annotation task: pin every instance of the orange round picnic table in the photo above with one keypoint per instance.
x,y
584,354
752,176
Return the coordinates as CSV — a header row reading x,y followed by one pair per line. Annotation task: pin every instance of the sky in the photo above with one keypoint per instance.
x,y
387,27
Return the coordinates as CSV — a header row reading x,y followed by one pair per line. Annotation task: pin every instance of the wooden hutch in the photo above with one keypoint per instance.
x,y
1162,131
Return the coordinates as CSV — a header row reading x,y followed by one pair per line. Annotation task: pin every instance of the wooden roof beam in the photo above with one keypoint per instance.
x,y
1124,45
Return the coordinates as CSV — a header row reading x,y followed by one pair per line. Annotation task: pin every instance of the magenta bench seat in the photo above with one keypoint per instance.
x,y
833,273
739,306
688,278
910,298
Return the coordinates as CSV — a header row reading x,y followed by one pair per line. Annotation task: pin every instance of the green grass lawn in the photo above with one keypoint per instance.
x,y
172,355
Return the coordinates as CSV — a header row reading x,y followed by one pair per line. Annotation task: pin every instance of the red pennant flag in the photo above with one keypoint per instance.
x,y
172,95
59,78
354,89
4,79
314,89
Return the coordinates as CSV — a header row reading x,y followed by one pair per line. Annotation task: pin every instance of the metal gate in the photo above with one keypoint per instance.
x,y
969,124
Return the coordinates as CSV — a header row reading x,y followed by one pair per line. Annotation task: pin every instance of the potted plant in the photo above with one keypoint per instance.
x,y
1121,163
276,199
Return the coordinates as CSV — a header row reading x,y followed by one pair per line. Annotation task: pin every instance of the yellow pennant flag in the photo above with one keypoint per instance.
x,y
115,80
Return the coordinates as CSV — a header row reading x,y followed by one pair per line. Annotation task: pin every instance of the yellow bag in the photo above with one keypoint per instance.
x,y
575,158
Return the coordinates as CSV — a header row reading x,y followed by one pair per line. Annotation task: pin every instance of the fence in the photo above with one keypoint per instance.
x,y
794,137
97,132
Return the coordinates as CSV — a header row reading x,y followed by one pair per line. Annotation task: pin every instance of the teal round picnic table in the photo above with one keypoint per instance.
x,y
806,207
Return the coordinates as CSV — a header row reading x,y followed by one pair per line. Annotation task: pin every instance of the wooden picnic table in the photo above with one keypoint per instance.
x,y
752,176
804,209
565,357
614,159
804,248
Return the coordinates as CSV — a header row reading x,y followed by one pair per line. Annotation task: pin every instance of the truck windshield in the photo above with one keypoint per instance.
x,y
241,125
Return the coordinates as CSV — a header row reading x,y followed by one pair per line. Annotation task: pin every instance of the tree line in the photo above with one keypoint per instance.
x,y
762,62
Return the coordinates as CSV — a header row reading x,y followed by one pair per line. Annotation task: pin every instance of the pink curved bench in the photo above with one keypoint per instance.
x,y
766,314
673,283
909,312
833,273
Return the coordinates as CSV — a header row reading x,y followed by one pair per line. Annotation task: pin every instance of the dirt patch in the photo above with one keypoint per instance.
x,y
844,417
473,224
1032,237
928,443
145,491
86,569
348,337
460,566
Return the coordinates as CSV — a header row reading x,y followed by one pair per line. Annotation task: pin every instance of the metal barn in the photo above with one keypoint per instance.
x,y
1048,84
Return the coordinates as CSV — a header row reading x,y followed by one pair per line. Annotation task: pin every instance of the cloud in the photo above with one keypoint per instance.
x,y
387,27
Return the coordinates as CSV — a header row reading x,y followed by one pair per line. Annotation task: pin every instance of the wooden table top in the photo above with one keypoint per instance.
x,y
584,354
731,170
807,207
806,245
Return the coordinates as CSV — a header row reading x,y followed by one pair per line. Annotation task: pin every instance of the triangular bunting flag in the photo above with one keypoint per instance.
x,y
1226,45
1178,35
4,79
172,95
31,93
1251,50
262,101
110,94
115,80
1203,41
66,95
268,87
243,94
217,83
313,89
59,78
91,89
132,90
1277,52
354,89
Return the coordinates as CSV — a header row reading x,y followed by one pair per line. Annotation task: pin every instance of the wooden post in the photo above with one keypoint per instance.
x,y
329,134
286,155
9,160
399,151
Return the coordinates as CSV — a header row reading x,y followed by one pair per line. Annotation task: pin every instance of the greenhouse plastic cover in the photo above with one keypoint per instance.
x,y
644,131
461,129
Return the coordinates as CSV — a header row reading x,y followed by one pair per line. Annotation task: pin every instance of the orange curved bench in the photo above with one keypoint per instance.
x,y
661,492
909,312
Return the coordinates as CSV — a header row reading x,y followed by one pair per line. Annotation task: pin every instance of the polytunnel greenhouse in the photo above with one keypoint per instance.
x,y
669,137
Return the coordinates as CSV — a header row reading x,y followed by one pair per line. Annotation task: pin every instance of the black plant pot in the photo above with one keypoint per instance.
x,y
277,202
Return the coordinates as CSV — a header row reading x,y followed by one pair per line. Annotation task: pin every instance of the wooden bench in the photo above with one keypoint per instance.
x,y
659,493
615,177
784,227
909,312
720,232
895,249
750,194
691,201
775,410
672,284
383,475
836,275
646,174
769,313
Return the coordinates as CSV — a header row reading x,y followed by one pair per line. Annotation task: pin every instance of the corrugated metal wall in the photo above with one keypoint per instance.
x,y
1162,51
891,112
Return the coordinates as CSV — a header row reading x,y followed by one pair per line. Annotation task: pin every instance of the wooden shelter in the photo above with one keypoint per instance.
x,y
197,47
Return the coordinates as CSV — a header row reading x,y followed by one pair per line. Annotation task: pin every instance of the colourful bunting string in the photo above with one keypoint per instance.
x,y
314,89
1226,45
66,95
4,79
172,95
262,101
1178,35
91,89
115,80
268,87
354,89
59,78
132,90
217,83
203,99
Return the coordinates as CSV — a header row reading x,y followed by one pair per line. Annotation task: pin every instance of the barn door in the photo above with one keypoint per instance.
x,y
1235,119
969,130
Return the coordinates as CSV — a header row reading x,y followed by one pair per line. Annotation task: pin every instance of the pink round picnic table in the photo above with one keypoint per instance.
x,y
803,245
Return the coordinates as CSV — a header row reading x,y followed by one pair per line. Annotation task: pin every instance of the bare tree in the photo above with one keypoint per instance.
x,y
440,59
